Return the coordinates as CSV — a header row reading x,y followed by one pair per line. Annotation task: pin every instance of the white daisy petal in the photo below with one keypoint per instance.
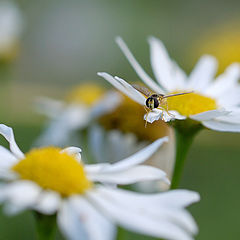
x,y
7,175
175,198
104,230
95,168
7,132
131,89
154,115
233,117
49,107
221,126
19,195
159,207
141,73
58,132
132,175
208,115
70,223
132,93
179,75
203,73
137,158
140,221
162,65
7,159
107,104
73,151
225,81
184,198
96,136
79,218
230,98
177,115
48,202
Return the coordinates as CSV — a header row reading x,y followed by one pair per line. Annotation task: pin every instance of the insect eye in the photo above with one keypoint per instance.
x,y
147,102
156,103
150,102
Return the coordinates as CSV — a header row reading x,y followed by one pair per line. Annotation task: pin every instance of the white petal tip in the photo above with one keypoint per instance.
x,y
167,181
195,196
101,74
120,41
152,39
165,139
209,58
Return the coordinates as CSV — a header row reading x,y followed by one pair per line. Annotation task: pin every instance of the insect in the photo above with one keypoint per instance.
x,y
156,100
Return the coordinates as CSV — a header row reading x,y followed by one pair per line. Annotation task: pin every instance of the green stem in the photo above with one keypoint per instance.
x,y
184,138
46,226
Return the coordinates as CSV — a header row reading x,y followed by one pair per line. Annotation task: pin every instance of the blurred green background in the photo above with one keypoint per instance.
x,y
65,43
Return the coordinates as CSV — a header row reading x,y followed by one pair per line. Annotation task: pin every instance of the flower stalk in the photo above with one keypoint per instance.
x,y
184,135
45,226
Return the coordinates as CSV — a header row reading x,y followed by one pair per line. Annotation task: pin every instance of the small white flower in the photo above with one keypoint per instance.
x,y
11,25
214,103
66,118
51,180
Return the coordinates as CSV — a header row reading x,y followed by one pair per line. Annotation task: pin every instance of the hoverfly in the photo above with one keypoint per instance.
x,y
156,100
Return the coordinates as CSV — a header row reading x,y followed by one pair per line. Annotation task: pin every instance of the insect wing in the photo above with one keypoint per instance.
x,y
177,94
145,91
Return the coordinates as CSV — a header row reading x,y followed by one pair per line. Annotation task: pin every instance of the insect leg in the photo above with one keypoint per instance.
x,y
165,104
148,111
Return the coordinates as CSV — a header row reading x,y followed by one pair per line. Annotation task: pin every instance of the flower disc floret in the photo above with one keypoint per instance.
x,y
88,94
55,170
191,104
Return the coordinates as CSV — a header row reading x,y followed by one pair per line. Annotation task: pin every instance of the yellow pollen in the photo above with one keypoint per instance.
x,y
192,103
128,118
53,170
86,93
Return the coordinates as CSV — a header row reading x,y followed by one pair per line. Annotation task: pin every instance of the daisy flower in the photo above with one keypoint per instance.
x,y
11,26
82,105
215,104
84,197
121,132
96,117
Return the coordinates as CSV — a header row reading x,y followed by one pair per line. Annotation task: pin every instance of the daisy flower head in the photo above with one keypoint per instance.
x,y
121,132
213,103
11,26
85,199
82,105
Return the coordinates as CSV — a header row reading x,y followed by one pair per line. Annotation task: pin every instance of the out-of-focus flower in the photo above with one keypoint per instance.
x,y
90,115
54,181
221,42
11,26
123,133
84,104
215,104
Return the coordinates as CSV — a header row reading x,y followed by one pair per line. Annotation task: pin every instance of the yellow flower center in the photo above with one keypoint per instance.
x,y
86,93
192,103
53,170
128,118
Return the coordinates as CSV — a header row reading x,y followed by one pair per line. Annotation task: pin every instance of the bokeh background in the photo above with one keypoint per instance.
x,y
64,43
